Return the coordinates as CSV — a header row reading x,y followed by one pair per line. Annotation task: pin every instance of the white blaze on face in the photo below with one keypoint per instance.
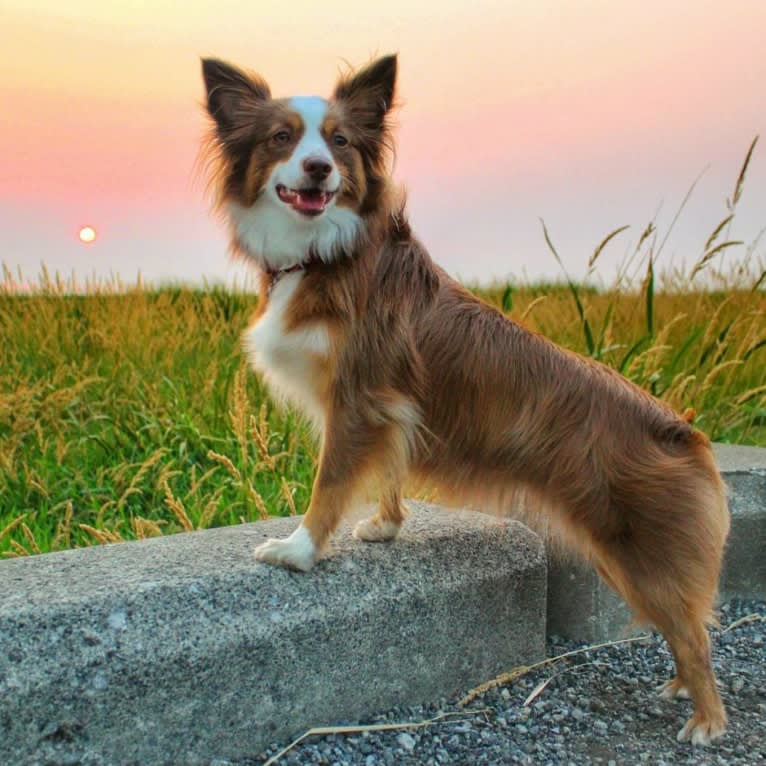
x,y
312,110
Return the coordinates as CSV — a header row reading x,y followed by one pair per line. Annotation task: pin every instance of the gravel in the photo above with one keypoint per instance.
x,y
599,707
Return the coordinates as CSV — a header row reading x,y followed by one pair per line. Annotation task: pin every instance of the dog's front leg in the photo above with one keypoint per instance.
x,y
352,452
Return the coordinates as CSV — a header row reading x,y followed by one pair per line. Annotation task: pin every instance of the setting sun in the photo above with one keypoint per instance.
x,y
87,234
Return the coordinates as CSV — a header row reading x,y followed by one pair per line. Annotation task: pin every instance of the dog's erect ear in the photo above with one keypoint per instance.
x,y
231,93
369,93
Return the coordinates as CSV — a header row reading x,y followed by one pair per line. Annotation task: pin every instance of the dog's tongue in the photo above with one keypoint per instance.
x,y
307,201
310,201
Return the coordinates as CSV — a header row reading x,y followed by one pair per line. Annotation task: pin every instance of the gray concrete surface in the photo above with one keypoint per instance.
x,y
744,570
181,650
582,608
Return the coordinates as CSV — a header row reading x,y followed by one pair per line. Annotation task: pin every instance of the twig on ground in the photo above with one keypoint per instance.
x,y
323,730
522,670
755,617
540,688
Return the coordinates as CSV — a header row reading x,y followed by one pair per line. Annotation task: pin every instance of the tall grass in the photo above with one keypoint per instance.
x,y
128,412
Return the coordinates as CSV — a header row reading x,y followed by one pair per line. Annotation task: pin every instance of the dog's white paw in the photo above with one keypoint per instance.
x,y
295,552
374,530
673,689
701,732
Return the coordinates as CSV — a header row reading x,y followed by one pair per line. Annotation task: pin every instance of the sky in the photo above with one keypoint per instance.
x,y
587,114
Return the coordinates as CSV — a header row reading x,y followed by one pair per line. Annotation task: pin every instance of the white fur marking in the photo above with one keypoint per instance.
x,y
294,552
670,691
288,360
271,231
700,733
373,531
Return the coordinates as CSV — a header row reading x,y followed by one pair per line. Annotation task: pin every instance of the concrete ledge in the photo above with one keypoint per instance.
x,y
581,607
182,649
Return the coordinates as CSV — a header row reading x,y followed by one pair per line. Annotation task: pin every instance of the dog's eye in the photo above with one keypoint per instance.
x,y
339,140
281,137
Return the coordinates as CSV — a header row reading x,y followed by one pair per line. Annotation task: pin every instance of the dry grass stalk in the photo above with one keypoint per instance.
x,y
710,377
259,428
748,395
145,528
239,414
257,499
288,496
540,688
226,463
63,538
196,483
210,510
177,507
522,670
103,536
324,730
747,619
30,537
528,310
17,550
10,527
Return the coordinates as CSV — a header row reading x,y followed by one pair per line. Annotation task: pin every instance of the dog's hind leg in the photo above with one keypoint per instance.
x,y
690,644
678,607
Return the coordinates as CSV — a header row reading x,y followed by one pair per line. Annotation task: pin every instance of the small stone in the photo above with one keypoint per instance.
x,y
738,684
521,729
505,694
407,741
578,714
91,638
600,726
118,620
370,760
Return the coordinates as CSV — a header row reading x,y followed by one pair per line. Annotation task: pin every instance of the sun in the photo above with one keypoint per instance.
x,y
87,234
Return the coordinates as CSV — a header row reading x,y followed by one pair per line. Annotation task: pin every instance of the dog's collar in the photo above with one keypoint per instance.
x,y
275,275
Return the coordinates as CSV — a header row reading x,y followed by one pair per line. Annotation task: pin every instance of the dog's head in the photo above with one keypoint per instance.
x,y
297,177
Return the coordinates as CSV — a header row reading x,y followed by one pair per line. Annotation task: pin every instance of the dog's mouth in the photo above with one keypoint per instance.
x,y
309,202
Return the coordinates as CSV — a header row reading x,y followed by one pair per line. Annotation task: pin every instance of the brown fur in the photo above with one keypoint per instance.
x,y
425,380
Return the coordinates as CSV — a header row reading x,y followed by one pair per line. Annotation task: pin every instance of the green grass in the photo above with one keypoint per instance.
x,y
128,413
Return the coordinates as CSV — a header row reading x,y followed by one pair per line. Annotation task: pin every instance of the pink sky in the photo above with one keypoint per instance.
x,y
587,114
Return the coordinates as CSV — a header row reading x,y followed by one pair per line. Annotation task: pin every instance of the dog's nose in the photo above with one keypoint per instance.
x,y
317,167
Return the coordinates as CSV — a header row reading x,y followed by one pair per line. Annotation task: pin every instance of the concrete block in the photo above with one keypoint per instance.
x,y
183,649
581,607
744,565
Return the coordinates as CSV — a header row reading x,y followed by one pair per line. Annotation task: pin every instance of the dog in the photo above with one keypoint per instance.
x,y
407,375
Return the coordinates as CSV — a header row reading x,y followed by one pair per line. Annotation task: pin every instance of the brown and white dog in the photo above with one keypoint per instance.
x,y
406,374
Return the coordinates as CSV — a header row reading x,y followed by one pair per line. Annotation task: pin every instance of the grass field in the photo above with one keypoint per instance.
x,y
128,413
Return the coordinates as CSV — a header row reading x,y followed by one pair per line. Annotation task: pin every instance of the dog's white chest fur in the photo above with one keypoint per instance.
x,y
288,360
